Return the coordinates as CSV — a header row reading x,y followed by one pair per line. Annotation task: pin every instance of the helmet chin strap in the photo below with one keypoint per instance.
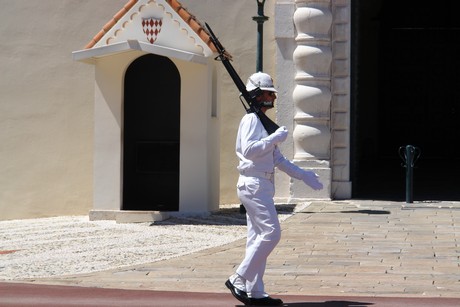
x,y
267,104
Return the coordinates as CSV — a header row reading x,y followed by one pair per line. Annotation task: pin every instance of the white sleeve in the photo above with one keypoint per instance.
x,y
252,142
308,177
291,169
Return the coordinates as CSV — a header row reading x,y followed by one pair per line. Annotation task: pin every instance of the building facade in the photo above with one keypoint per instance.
x,y
357,81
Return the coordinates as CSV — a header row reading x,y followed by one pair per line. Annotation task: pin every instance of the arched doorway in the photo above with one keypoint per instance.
x,y
151,135
405,91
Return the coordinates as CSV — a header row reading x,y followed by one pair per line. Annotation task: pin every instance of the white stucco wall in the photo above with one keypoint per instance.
x,y
232,22
47,99
198,154
108,102
46,106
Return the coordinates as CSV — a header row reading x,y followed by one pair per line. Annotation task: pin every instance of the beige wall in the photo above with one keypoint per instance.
x,y
232,22
47,100
46,106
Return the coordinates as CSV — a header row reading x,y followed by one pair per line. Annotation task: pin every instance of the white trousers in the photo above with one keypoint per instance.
x,y
264,231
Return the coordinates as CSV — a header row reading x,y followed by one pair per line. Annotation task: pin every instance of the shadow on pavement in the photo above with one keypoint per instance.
x,y
329,304
369,212
225,216
324,304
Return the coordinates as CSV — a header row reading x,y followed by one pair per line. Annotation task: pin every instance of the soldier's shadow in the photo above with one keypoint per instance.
x,y
323,304
225,216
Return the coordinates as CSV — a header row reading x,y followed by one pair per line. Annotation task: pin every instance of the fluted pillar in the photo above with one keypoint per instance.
x,y
312,93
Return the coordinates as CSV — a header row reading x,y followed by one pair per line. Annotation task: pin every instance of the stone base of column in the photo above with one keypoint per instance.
x,y
341,190
299,191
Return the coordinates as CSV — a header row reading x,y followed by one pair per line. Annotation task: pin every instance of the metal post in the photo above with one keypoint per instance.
x,y
260,19
409,154
409,174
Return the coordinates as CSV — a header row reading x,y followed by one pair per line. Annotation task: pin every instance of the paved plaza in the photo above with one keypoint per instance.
x,y
339,249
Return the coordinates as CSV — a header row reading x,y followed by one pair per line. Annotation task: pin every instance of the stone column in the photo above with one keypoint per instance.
x,y
312,94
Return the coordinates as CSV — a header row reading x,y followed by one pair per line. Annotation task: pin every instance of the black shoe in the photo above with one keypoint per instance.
x,y
237,293
266,301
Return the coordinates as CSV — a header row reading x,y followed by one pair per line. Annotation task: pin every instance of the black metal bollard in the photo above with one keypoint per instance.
x,y
409,154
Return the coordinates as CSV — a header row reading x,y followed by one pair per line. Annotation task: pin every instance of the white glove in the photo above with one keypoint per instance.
x,y
280,135
311,179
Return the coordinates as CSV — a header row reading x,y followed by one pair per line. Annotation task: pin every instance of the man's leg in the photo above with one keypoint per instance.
x,y
263,233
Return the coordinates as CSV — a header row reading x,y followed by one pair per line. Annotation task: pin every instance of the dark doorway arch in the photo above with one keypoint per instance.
x,y
405,91
151,135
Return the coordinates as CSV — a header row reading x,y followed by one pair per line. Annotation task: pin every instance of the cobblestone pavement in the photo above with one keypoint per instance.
x,y
331,248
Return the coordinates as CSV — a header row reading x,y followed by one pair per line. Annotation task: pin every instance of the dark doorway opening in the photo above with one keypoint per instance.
x,y
405,91
151,135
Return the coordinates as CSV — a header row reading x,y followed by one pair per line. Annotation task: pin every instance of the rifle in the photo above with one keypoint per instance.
x,y
249,97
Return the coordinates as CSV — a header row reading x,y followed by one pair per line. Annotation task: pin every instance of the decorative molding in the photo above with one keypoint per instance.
x,y
121,27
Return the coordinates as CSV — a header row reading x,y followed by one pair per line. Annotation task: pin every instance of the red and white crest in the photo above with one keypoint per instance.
x,y
151,27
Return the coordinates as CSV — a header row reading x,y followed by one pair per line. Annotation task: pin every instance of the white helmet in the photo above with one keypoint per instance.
x,y
261,80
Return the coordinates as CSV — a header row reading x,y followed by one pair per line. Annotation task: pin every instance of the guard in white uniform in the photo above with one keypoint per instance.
x,y
258,155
